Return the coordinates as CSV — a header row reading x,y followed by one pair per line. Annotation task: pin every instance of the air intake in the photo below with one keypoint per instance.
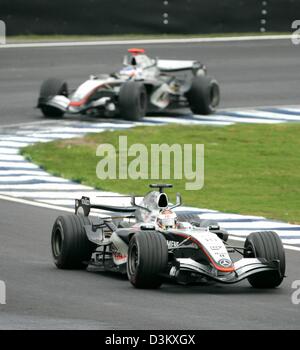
x,y
162,201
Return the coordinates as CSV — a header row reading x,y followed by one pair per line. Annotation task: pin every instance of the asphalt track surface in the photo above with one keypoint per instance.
x,y
40,296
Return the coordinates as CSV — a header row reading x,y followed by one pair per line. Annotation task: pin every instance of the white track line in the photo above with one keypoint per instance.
x,y
183,121
25,178
63,202
219,216
24,172
147,41
239,120
25,124
12,157
268,115
290,109
22,139
60,135
22,165
290,241
46,186
13,144
4,150
290,247
35,204
37,194
254,224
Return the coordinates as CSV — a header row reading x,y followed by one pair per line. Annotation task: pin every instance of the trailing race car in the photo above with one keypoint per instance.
x,y
143,85
160,243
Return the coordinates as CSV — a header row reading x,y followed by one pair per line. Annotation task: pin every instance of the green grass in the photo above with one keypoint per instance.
x,y
55,38
249,169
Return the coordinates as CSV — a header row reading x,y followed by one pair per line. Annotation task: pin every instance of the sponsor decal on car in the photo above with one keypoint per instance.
x,y
172,244
118,256
215,247
225,262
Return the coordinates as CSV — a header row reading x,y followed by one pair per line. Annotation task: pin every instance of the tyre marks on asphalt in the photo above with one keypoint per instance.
x,y
21,179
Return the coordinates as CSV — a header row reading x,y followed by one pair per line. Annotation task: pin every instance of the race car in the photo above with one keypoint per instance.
x,y
151,242
143,85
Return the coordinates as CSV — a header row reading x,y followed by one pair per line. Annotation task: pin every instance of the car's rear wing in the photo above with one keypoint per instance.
x,y
178,65
84,206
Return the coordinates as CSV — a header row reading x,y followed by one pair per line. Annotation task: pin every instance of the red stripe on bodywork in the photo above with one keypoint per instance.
x,y
84,99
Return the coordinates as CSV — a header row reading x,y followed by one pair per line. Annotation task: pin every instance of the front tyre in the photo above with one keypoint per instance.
x,y
204,95
266,245
147,259
70,245
132,100
50,88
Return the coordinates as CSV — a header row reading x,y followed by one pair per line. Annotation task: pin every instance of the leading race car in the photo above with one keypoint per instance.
x,y
141,86
160,244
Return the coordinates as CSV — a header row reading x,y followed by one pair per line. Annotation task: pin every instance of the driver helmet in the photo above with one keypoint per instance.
x,y
166,219
129,71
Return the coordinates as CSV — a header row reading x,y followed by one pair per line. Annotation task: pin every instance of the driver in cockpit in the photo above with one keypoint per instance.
x,y
167,219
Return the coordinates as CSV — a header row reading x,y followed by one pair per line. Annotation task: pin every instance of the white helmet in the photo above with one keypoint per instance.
x,y
166,219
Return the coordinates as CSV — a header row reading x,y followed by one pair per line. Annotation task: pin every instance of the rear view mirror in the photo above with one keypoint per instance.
x,y
178,201
125,60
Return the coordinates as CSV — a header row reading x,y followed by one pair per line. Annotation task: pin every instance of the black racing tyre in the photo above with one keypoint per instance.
x,y
204,95
147,259
52,87
266,245
132,100
70,245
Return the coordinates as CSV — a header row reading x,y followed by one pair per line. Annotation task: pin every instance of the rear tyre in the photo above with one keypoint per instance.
x,y
147,259
51,87
132,101
266,245
204,95
70,245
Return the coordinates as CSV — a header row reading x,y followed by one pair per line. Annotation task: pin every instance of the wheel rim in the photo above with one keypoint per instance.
x,y
133,259
57,242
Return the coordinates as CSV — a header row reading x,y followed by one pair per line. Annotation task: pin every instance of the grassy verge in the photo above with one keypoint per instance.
x,y
56,38
249,169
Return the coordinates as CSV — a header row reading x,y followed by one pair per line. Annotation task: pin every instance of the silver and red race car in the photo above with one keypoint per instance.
x,y
143,85
151,241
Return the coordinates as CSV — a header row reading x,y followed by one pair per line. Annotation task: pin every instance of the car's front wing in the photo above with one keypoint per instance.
x,y
242,269
59,101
